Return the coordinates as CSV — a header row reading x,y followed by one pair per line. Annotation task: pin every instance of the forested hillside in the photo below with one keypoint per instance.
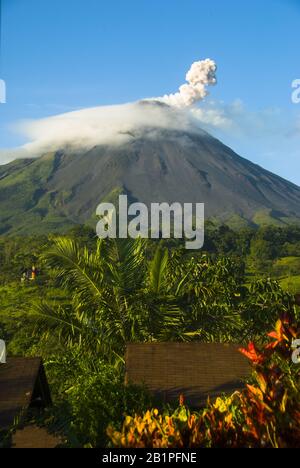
x,y
76,301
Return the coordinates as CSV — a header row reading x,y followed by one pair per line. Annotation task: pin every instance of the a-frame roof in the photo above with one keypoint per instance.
x,y
23,384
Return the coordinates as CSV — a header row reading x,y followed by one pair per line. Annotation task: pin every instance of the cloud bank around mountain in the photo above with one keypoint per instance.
x,y
186,110
116,124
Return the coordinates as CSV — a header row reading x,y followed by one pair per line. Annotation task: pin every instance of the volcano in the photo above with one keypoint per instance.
x,y
151,163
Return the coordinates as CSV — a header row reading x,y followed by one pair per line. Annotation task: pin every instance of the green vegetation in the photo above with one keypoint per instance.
x,y
263,415
90,297
22,192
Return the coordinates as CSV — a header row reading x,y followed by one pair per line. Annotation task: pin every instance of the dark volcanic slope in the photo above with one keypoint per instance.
x,y
61,188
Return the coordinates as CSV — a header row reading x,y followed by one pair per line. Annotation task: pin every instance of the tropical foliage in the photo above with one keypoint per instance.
x,y
265,414
116,295
91,297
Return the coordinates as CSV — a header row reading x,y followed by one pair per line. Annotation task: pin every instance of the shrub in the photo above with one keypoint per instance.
x,y
89,395
265,414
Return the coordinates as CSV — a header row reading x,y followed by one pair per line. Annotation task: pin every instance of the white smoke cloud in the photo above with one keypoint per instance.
x,y
105,125
235,118
116,124
264,135
200,75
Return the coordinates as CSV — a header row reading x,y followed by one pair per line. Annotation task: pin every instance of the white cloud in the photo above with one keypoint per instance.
x,y
249,132
201,75
118,124
104,125
237,118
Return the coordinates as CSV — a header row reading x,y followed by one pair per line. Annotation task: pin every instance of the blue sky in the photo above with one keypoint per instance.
x,y
63,55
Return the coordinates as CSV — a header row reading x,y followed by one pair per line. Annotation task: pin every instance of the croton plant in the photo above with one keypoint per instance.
x,y
265,414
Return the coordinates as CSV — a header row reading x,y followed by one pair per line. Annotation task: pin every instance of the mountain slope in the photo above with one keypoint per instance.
x,y
62,188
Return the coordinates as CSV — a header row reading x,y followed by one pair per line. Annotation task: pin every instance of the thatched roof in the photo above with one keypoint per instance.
x,y
23,384
197,370
35,437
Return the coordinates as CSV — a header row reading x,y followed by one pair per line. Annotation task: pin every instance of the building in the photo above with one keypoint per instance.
x,y
23,385
196,370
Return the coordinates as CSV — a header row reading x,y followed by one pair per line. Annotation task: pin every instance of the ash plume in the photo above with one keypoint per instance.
x,y
200,75
115,125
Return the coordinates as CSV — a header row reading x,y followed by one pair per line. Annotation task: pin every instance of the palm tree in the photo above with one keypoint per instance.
x,y
116,296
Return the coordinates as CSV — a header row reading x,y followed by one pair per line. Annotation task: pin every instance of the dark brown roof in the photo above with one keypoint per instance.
x,y
35,437
197,370
23,384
